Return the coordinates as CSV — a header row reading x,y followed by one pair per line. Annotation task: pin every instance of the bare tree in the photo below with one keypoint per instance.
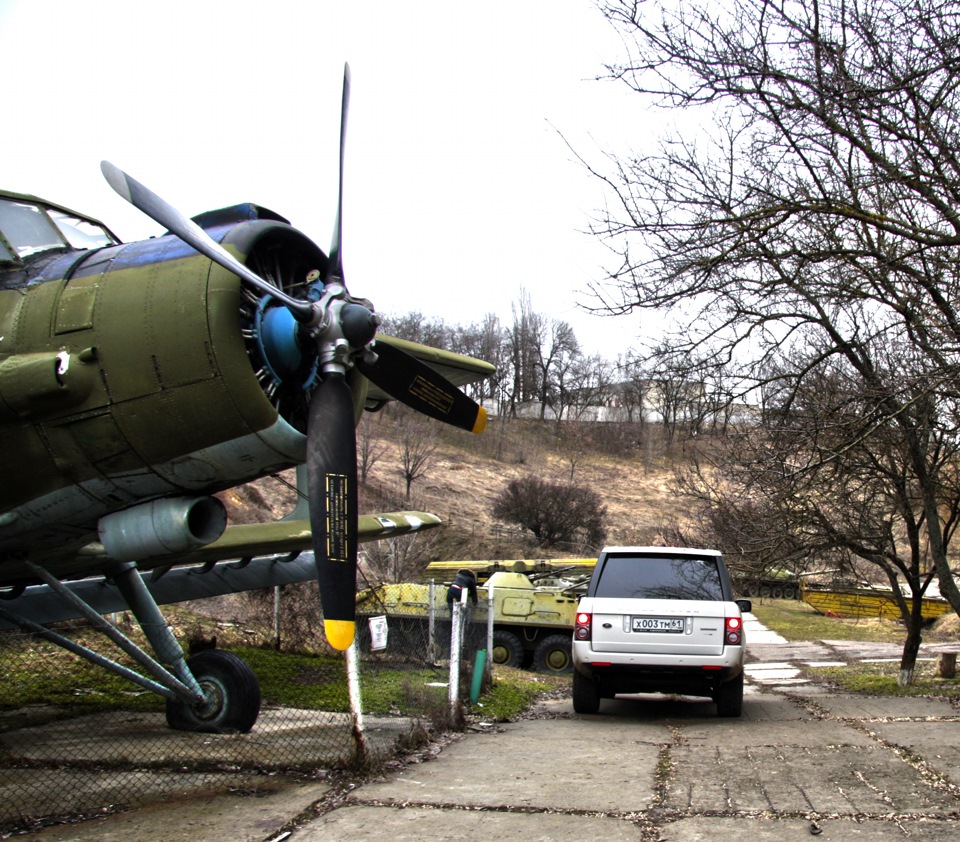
x,y
400,559
525,337
804,486
417,438
415,327
486,341
816,219
370,447
556,350
587,384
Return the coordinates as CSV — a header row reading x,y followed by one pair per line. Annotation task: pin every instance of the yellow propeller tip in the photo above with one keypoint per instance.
x,y
339,633
481,423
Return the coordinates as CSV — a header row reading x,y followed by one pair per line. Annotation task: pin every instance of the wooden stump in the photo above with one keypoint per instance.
x,y
948,665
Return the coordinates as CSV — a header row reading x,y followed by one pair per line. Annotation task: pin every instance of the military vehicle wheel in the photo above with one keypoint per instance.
x,y
729,697
553,655
507,649
232,690
586,694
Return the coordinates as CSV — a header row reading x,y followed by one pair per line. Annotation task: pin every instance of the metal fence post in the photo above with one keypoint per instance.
x,y
454,686
431,625
488,666
356,705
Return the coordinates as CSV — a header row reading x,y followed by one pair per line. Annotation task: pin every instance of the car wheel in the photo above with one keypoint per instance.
x,y
507,649
232,692
586,694
553,655
729,697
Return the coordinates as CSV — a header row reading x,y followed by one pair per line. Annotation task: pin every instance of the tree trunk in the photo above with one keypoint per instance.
x,y
911,646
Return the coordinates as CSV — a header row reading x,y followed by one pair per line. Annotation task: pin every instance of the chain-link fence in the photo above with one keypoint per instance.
x,y
76,740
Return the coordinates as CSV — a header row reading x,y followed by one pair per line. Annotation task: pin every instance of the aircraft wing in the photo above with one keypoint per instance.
x,y
246,557
457,368
244,540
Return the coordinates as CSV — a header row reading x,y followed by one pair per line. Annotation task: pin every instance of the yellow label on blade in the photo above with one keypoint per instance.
x,y
339,633
337,516
431,394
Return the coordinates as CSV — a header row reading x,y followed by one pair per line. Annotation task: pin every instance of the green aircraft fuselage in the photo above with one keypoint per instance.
x,y
132,372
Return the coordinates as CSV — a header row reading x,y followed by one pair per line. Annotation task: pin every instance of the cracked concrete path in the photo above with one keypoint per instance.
x,y
656,768
801,760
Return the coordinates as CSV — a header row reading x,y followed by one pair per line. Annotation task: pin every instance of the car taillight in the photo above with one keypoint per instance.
x,y
733,631
582,629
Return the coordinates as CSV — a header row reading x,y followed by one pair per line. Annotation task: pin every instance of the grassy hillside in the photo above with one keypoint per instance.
x,y
465,473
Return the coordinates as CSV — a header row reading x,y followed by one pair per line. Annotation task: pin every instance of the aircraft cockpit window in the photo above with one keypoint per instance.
x,y
27,228
80,233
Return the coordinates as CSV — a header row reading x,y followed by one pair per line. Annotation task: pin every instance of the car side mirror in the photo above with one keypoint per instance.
x,y
745,606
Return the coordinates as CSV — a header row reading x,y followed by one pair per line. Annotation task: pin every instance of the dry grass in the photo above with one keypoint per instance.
x,y
945,630
467,472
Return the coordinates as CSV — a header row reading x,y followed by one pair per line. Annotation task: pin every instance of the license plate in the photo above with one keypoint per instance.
x,y
658,624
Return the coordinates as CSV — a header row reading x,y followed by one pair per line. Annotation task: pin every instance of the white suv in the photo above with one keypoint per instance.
x,y
659,620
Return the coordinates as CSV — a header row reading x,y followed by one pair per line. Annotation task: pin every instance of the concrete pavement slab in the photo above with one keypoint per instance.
x,y
241,816
782,732
546,764
844,706
937,743
797,651
379,824
716,829
784,778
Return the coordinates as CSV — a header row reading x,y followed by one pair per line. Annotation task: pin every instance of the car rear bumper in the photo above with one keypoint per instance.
x,y
644,673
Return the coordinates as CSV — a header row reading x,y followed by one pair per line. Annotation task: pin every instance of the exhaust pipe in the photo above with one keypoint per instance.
x,y
170,525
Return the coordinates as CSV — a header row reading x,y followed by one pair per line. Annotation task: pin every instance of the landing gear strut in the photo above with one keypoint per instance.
x,y
215,692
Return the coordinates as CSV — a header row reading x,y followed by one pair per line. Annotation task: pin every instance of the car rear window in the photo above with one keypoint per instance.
x,y
660,577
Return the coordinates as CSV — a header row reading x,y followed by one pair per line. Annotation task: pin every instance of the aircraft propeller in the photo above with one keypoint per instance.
x,y
344,330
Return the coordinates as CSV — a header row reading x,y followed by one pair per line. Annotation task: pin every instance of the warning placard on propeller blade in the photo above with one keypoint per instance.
x,y
337,516
430,394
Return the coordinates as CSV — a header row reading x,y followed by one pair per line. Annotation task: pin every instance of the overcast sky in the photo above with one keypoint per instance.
x,y
459,190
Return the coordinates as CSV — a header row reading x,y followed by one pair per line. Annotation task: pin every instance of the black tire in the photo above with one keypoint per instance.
x,y
729,697
507,649
586,694
231,686
553,655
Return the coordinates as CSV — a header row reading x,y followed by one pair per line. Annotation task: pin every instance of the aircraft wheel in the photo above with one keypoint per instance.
x,y
232,689
507,649
553,655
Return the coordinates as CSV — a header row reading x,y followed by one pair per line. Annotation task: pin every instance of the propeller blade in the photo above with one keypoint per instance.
x,y
332,485
186,229
417,385
336,254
